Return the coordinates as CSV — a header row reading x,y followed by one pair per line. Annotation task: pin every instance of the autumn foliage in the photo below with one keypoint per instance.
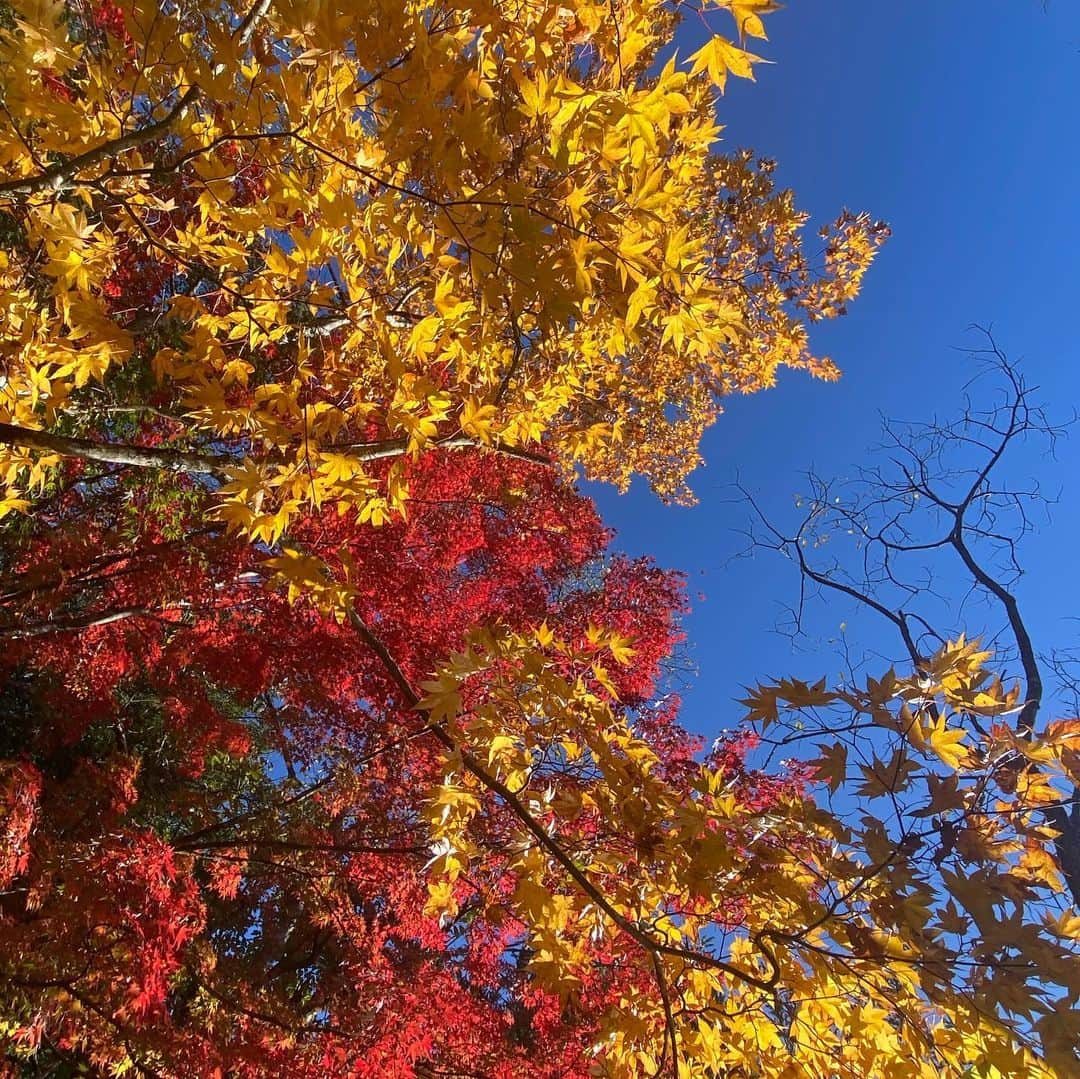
x,y
331,236
227,822
335,738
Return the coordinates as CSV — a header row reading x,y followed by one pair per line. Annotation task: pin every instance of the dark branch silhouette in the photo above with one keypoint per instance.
x,y
946,498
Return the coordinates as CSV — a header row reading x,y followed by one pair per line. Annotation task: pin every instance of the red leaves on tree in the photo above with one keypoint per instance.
x,y
218,850
20,789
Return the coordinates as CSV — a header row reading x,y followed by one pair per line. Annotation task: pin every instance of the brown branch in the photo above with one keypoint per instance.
x,y
1025,721
254,843
473,765
395,447
191,839
63,174
265,1017
246,30
669,1018
167,460
41,629
97,570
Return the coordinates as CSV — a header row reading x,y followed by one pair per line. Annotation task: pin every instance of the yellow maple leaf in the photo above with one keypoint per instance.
x,y
947,744
832,764
719,57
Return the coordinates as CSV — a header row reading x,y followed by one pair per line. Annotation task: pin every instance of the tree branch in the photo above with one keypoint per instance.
x,y
63,173
472,764
167,460
41,629
86,449
246,30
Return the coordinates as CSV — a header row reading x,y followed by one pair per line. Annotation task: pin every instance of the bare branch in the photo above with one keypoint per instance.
x,y
167,460
86,449
947,491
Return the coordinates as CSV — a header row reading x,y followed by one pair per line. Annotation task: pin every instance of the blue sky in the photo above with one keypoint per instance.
x,y
957,123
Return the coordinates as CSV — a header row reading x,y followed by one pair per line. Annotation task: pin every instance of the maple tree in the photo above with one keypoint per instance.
x,y
238,839
159,866
315,237
967,793
334,741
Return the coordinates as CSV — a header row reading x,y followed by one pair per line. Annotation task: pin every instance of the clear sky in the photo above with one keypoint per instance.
x,y
957,122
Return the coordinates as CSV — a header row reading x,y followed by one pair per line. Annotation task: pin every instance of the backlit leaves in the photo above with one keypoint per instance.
x,y
350,235
959,831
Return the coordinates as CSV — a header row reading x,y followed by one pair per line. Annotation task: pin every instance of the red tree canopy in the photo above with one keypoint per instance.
x,y
214,800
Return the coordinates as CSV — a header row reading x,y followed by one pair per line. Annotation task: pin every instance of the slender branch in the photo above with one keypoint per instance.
x,y
544,840
98,569
395,447
41,629
1025,721
807,572
669,1018
255,843
167,460
246,30
193,839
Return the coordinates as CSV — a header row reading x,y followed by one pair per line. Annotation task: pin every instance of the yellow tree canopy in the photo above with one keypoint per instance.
x,y
362,228
917,925
892,936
